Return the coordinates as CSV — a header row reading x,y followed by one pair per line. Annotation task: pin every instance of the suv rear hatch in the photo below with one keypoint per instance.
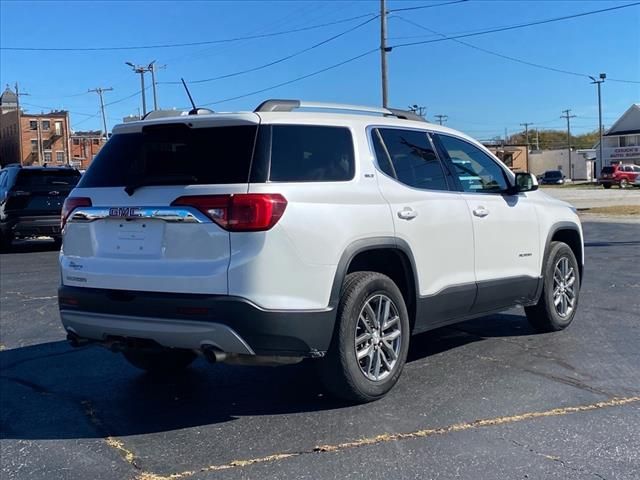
x,y
130,231
607,172
40,191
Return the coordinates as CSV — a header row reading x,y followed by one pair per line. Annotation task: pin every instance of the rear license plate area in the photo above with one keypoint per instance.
x,y
136,237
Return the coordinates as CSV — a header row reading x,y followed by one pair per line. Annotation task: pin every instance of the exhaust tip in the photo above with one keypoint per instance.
x,y
212,354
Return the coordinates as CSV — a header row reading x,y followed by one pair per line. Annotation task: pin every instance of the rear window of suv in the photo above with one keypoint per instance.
x,y
607,169
41,178
175,154
218,155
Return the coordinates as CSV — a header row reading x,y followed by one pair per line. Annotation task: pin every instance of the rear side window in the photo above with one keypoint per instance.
x,y
174,154
309,153
42,178
413,159
607,169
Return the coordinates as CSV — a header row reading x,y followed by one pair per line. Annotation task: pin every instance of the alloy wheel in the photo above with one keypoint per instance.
x,y
564,293
378,337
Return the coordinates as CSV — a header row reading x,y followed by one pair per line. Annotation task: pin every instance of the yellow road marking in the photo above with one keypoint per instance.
x,y
391,437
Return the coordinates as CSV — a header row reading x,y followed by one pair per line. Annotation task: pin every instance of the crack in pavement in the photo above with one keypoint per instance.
x,y
392,437
554,459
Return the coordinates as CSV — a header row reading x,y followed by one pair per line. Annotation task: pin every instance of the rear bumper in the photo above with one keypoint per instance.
x,y
231,324
48,225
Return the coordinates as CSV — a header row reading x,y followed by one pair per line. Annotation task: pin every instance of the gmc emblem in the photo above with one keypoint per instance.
x,y
124,212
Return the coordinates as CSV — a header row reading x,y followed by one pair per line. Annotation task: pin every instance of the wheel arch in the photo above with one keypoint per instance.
x,y
570,234
387,255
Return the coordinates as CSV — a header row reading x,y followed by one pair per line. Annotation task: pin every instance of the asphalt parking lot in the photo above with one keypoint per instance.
x,y
483,399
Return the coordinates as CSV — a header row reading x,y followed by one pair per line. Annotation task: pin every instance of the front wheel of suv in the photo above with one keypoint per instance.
x,y
561,288
370,341
161,361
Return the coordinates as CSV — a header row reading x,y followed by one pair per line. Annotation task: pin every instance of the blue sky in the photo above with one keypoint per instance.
x,y
482,94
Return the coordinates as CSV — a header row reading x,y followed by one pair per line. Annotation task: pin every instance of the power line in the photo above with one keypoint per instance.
x,y
297,79
521,25
275,62
190,44
497,54
420,7
53,109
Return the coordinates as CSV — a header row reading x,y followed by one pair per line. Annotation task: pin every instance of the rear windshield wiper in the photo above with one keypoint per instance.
x,y
163,180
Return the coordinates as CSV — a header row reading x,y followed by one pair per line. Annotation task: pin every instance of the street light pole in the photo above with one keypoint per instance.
x,y
568,117
601,158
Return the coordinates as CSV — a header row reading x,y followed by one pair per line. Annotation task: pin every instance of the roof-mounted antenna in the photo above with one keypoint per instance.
x,y
195,110
193,104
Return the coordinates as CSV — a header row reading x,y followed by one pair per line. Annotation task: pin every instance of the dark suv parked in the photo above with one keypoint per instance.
x,y
31,199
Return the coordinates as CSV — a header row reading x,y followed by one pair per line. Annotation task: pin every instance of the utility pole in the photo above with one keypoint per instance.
x,y
441,118
526,136
141,69
383,51
600,133
537,140
100,91
152,68
567,116
418,110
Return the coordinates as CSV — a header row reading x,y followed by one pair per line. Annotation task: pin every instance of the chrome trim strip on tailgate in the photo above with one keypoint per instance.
x,y
168,214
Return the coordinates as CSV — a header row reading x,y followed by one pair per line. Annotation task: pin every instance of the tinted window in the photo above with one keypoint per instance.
x,y
47,179
553,174
414,161
607,169
381,154
303,153
174,154
477,171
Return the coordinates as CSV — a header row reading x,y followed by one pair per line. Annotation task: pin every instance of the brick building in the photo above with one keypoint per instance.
x,y
84,147
32,139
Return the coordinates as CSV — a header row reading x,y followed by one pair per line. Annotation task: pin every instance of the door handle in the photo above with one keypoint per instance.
x,y
407,213
481,212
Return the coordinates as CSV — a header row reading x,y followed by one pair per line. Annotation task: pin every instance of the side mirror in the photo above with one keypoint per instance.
x,y
525,182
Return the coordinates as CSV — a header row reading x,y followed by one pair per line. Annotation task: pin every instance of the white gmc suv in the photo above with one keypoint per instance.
x,y
305,230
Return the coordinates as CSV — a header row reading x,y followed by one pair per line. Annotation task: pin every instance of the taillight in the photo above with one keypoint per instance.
x,y
70,204
243,212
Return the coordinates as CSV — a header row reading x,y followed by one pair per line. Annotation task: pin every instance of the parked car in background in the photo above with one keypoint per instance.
x,y
637,182
620,174
31,200
552,177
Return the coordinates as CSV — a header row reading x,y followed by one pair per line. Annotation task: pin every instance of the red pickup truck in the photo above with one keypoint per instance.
x,y
622,175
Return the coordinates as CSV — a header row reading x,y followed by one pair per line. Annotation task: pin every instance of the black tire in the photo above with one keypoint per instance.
x,y
340,370
161,361
606,185
6,241
544,316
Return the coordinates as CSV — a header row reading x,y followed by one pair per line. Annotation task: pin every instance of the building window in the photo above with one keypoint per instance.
x,y
47,157
60,157
33,124
34,146
76,141
58,126
630,141
96,141
46,125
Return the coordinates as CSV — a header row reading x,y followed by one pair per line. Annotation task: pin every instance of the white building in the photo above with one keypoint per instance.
x,y
621,143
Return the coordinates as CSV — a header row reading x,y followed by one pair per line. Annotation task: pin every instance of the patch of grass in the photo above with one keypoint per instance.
x,y
614,210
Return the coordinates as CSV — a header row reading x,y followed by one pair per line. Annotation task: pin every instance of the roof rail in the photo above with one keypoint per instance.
x,y
276,105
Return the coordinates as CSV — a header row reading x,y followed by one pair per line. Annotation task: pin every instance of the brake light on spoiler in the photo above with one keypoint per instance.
x,y
242,212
